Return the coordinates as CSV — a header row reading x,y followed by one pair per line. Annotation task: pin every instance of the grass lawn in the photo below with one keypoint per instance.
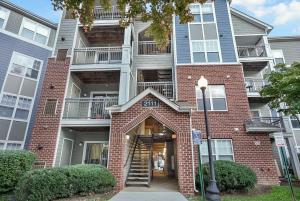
x,y
277,193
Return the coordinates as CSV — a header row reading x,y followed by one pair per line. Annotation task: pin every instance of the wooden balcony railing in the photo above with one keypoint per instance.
x,y
251,51
96,55
165,88
88,108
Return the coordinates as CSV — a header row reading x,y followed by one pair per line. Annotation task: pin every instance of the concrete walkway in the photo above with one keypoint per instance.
x,y
148,196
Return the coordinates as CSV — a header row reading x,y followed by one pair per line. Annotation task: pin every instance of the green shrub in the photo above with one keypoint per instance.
x,y
230,176
53,183
13,165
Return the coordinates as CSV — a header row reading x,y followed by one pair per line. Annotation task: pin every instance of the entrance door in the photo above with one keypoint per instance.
x,y
96,153
66,153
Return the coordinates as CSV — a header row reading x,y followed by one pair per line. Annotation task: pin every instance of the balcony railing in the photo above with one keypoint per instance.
x,y
102,14
265,124
88,108
96,55
255,85
165,88
151,48
251,51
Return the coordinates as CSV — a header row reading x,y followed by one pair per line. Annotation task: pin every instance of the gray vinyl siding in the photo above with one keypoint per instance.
x,y
8,46
14,22
146,61
67,31
225,32
182,42
291,49
78,137
242,27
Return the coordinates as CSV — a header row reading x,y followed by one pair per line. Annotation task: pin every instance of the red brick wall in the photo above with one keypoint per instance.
x,y
45,130
222,124
178,122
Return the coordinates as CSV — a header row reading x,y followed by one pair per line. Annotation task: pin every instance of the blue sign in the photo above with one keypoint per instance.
x,y
150,103
196,134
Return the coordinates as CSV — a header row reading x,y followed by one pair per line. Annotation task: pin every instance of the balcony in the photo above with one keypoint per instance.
x,y
88,108
254,85
165,88
151,48
251,51
264,125
97,55
102,14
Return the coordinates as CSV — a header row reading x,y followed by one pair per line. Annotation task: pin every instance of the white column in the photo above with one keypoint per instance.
x,y
124,84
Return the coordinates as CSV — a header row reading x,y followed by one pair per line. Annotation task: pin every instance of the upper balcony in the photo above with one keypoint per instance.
x,y
151,48
252,51
100,47
100,14
159,80
254,85
264,125
89,93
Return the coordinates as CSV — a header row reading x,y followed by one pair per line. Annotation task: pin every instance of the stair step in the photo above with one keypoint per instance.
x,y
139,166
138,183
138,173
139,169
137,178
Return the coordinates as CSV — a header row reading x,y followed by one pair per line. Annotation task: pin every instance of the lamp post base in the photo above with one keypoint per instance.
x,y
212,192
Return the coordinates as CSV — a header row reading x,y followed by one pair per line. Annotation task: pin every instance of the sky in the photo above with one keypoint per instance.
x,y
283,15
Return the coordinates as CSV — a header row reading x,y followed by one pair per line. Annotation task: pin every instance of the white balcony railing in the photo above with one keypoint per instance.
x,y
151,48
102,14
251,51
88,108
165,88
96,55
265,124
255,85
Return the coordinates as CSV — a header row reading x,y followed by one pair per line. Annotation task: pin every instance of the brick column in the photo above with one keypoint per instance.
x,y
45,132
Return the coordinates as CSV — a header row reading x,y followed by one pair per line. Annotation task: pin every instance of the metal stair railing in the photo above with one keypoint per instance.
x,y
135,144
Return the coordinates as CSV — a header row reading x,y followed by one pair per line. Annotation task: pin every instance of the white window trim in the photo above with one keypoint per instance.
x,y
217,154
6,17
90,142
275,57
210,99
18,95
56,103
292,124
36,24
204,40
256,110
62,147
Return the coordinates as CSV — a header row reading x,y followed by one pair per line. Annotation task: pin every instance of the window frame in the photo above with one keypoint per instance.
x,y
36,24
202,23
18,95
292,124
217,154
6,17
211,99
55,110
276,53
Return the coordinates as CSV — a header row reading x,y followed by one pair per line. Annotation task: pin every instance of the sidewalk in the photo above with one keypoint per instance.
x,y
148,196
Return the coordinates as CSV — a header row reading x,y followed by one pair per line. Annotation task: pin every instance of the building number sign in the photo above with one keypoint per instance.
x,y
150,103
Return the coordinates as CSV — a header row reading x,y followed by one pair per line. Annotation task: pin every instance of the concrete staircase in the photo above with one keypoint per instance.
x,y
140,170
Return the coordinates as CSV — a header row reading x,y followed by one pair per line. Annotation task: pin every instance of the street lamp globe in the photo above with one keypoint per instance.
x,y
202,83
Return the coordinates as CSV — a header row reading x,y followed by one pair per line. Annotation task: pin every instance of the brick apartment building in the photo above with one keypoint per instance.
x,y
112,97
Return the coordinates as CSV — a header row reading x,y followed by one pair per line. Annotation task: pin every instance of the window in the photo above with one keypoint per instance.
x,y
215,98
50,107
3,17
7,104
295,122
204,39
221,150
35,31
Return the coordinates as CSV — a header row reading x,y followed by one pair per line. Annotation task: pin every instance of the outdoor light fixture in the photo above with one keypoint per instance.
x,y
80,144
127,137
212,191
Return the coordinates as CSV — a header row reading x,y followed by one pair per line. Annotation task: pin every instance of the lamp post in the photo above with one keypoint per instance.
x,y
212,191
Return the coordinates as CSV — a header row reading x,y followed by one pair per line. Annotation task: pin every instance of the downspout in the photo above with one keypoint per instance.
x,y
193,164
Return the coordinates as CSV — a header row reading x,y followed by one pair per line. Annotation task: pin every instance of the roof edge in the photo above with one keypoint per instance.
x,y
25,12
284,38
251,19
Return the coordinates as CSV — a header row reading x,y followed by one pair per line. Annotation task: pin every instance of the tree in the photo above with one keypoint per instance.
x,y
284,88
158,12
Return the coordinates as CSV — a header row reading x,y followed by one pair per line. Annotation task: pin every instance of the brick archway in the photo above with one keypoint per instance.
x,y
179,122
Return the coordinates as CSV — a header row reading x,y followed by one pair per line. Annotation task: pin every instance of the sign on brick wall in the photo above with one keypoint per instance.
x,y
150,103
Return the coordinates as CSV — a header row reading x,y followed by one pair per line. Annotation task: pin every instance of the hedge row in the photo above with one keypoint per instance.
x,y
13,165
230,176
53,183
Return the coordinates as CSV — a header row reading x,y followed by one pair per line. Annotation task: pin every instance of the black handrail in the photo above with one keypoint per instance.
x,y
136,142
130,148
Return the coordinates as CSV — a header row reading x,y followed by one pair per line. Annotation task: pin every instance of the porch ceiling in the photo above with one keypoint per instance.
x,y
254,66
108,34
99,77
